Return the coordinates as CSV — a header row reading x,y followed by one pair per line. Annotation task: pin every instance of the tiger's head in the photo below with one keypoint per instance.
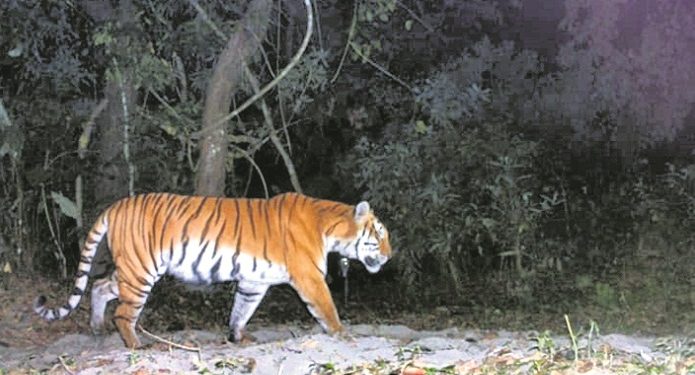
x,y
369,243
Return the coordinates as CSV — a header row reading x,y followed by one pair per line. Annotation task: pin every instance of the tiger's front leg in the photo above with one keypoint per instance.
x,y
247,298
312,289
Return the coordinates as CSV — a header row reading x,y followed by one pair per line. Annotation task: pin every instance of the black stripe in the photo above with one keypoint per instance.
x,y
144,281
112,214
81,273
151,237
317,267
200,208
141,228
144,267
143,210
219,235
214,271
155,216
168,214
238,218
197,261
184,247
330,208
184,233
171,249
294,202
332,227
235,264
154,262
254,265
136,305
357,244
292,240
191,218
132,223
183,205
78,292
218,209
249,210
137,215
146,239
265,251
247,294
266,216
281,202
134,289
206,227
97,232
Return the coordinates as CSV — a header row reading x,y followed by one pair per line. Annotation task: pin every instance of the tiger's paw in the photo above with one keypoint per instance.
x,y
98,328
344,335
242,339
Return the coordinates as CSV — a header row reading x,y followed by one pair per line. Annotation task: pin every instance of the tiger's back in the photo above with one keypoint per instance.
x,y
257,242
202,239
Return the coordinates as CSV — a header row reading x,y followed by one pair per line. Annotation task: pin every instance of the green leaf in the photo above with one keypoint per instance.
x,y
67,207
420,127
408,25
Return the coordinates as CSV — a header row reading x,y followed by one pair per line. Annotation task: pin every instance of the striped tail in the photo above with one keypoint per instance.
x,y
88,251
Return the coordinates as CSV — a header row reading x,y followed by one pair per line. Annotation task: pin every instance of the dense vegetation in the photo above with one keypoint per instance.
x,y
537,152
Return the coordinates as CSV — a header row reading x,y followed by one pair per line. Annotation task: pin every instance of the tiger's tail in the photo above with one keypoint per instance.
x,y
89,249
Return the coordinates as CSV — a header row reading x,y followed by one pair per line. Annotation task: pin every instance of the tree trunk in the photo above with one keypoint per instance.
x,y
112,180
226,78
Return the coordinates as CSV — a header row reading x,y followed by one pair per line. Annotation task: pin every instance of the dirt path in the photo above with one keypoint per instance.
x,y
375,349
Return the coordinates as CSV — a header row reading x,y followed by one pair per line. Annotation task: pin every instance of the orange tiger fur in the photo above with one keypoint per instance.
x,y
257,242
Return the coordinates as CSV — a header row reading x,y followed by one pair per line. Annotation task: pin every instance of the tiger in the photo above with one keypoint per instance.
x,y
257,243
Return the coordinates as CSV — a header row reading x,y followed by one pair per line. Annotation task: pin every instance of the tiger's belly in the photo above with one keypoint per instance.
x,y
206,266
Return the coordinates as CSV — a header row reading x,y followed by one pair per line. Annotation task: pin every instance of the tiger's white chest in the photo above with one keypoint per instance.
x,y
206,265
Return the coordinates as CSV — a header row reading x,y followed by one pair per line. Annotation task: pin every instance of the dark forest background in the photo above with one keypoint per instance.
x,y
526,155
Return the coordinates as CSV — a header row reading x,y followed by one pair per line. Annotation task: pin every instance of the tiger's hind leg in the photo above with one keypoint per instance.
x,y
247,298
132,297
103,291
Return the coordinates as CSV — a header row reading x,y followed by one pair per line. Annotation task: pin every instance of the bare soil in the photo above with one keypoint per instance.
x,y
28,345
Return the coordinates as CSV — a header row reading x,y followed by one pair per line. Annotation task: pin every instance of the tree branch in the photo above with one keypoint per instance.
x,y
282,74
268,119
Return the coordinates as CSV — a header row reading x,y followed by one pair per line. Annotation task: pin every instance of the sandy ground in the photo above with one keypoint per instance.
x,y
291,350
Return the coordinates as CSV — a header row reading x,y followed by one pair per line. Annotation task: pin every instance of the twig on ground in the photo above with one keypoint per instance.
x,y
65,365
171,343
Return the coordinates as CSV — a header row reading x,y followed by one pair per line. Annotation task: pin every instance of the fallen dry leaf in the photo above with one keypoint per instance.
x,y
412,370
584,366
309,344
466,367
141,371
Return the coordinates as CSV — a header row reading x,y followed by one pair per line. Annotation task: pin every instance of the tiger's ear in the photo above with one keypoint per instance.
x,y
361,210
